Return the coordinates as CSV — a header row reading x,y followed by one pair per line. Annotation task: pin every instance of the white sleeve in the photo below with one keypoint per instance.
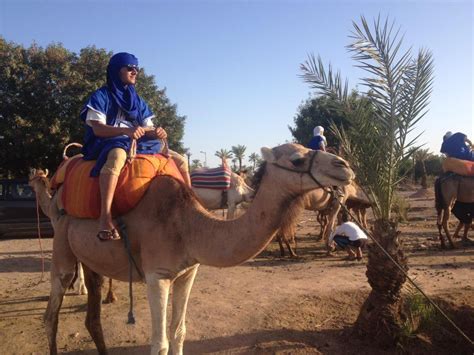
x,y
93,115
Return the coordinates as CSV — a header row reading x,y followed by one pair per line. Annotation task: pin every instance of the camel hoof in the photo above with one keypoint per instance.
x,y
111,298
467,242
82,290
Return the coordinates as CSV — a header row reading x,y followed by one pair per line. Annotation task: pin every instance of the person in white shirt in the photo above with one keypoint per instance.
x,y
350,237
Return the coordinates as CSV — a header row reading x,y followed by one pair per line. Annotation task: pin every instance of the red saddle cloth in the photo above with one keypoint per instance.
x,y
81,194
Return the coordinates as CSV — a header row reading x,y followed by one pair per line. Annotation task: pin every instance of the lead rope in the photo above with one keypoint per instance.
x,y
401,268
331,192
38,227
131,263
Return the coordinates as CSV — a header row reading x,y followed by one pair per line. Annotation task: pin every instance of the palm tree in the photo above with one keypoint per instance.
x,y
196,164
224,154
377,144
254,158
239,153
420,156
187,152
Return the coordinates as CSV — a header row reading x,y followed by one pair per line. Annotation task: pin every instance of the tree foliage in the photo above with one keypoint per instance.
x,y
42,91
239,153
399,86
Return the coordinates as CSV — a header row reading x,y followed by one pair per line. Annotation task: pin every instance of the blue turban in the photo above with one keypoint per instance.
x,y
125,96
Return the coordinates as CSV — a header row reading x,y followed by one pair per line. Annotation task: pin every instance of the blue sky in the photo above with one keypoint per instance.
x,y
232,66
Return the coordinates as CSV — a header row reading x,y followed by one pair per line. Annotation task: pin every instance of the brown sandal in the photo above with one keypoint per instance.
x,y
106,235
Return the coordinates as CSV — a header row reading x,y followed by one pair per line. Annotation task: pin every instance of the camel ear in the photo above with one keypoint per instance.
x,y
268,155
46,172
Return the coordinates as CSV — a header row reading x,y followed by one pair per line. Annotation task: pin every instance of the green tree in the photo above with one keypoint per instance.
x,y
377,144
42,91
196,164
254,159
223,154
239,153
421,156
321,111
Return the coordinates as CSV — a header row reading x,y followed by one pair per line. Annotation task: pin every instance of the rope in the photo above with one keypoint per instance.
x,y
402,270
131,263
331,192
38,227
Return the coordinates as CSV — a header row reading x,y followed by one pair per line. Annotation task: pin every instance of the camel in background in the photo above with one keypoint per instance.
x,y
238,192
327,210
448,189
171,234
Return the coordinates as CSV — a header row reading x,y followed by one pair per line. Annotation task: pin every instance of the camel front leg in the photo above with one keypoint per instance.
x,y
59,283
181,291
231,210
158,289
94,298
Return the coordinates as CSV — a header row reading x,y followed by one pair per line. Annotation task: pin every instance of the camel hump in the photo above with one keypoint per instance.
x,y
81,194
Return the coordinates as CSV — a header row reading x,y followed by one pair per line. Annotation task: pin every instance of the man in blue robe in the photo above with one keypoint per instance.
x,y
114,117
457,146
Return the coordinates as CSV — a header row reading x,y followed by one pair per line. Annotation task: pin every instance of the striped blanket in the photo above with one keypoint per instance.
x,y
216,179
81,194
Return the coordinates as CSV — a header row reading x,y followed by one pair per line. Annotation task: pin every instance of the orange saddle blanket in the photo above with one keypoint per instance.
x,y
458,166
81,194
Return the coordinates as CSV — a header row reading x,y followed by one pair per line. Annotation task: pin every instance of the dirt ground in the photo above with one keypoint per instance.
x,y
268,305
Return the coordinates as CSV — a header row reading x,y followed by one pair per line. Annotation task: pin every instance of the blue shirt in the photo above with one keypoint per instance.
x,y
97,148
315,143
456,147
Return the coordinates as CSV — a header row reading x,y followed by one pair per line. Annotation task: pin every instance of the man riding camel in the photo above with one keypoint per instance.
x,y
119,122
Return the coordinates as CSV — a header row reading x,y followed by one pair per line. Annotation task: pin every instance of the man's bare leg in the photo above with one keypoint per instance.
x,y
107,183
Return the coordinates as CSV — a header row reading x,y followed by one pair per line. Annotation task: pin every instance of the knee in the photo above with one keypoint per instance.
x,y
115,162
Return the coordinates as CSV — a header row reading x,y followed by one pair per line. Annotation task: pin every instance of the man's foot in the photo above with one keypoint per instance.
x,y
106,235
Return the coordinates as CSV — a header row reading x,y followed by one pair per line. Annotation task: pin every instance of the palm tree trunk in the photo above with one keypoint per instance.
x,y
424,183
381,315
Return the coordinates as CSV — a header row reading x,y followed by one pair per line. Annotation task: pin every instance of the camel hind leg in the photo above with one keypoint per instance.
x,y
93,324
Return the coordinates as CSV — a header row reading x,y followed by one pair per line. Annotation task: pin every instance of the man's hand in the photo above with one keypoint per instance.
x,y
161,133
136,132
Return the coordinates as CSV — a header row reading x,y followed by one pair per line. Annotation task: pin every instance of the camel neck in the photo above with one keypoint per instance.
x,y
43,196
229,243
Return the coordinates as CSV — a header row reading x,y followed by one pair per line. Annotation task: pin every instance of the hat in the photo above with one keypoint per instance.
x,y
318,131
447,135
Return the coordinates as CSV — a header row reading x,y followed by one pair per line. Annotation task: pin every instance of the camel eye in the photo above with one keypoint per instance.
x,y
298,162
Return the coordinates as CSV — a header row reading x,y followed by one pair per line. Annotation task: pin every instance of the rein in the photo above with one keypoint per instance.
x,y
307,171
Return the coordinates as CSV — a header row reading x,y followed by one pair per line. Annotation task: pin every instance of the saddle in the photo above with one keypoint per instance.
x,y
458,166
216,178
81,195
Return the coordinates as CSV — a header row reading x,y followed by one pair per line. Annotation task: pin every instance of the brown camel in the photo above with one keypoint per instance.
x,y
328,209
171,234
449,188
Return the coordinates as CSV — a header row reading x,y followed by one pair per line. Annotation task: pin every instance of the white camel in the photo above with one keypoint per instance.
x,y
238,192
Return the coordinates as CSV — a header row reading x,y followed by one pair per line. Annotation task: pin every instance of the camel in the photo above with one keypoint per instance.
x,y
449,188
39,181
328,209
171,234
213,199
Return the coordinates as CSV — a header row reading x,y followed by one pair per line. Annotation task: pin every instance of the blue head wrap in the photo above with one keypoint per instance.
x,y
125,96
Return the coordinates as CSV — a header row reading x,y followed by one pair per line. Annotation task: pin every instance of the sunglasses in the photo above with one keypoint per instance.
x,y
132,67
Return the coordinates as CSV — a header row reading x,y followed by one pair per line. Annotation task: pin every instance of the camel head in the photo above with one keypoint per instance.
x,y
238,183
301,169
38,176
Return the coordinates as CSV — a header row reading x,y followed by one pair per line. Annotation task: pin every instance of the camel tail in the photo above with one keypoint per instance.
x,y
439,200
65,157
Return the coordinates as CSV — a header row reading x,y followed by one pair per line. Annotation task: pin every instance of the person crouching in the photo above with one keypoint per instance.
x,y
348,236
